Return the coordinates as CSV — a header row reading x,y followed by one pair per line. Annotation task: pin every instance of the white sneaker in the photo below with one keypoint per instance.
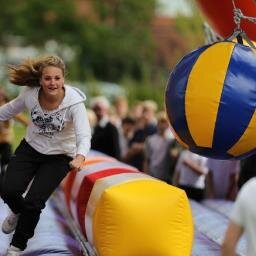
x,y
13,251
10,223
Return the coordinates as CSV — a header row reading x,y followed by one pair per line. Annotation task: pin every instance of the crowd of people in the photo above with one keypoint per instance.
x,y
141,136
138,135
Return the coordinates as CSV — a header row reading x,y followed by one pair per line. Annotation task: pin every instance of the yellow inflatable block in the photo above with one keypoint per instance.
x,y
142,218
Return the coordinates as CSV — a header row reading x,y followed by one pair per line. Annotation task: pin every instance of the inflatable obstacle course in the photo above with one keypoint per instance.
x,y
122,211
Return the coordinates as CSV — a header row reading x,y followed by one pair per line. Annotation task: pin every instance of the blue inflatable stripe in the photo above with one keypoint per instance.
x,y
211,152
238,100
175,95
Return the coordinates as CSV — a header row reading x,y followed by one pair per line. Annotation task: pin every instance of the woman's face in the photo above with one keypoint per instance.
x,y
52,81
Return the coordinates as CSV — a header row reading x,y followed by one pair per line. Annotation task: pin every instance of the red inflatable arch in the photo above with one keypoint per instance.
x,y
219,14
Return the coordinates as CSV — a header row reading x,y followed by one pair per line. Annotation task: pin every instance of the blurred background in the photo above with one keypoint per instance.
x,y
111,47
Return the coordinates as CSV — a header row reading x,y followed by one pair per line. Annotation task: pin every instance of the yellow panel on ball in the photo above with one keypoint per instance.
x,y
211,100
204,89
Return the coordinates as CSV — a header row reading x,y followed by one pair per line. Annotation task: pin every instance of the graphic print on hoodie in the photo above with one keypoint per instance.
x,y
48,123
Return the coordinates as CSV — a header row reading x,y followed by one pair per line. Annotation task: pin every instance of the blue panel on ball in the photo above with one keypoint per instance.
x,y
238,100
211,152
175,95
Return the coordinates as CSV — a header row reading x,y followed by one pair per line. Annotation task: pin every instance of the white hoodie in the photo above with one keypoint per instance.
x,y
65,130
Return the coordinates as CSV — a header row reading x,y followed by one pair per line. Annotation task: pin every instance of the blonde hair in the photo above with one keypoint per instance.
x,y
150,104
29,72
161,117
100,100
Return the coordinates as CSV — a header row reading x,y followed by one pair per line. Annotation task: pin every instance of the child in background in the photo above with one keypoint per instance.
x,y
126,131
190,173
157,158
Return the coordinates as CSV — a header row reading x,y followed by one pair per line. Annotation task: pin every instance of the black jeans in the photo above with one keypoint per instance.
x,y
47,171
5,155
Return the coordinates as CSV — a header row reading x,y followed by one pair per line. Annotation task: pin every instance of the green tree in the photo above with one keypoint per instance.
x,y
119,40
37,21
115,42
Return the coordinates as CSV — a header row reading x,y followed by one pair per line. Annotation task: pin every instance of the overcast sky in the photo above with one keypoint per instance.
x,y
171,7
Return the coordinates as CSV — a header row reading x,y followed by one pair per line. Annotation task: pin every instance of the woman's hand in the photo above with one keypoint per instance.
x,y
77,162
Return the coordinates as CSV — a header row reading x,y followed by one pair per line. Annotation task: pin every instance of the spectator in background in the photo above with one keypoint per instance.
x,y
149,108
6,132
242,221
157,158
221,180
120,107
126,132
190,173
136,110
105,137
175,150
145,126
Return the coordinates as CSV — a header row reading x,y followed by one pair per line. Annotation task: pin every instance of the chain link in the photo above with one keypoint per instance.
x,y
238,15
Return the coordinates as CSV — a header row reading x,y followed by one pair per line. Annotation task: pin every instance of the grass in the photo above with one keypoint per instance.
x,y
19,133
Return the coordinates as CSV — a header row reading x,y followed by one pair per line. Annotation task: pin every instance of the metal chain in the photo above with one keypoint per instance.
x,y
238,15
238,32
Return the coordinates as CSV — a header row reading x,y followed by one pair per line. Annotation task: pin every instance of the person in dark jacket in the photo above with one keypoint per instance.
x,y
105,137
